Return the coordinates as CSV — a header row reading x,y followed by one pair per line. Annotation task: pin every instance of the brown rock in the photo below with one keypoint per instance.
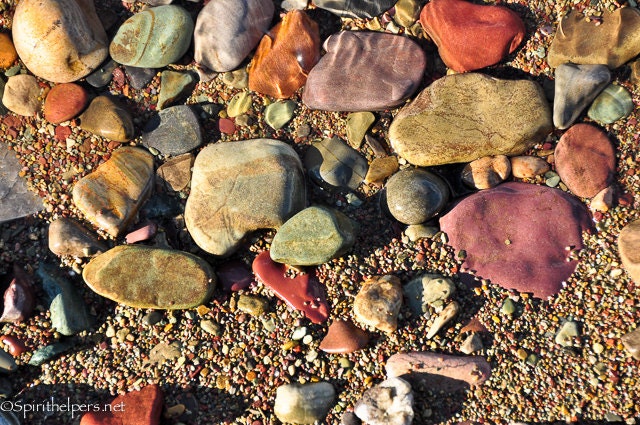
x,y
381,168
143,407
631,342
378,303
176,172
64,102
68,237
487,172
8,54
14,345
527,166
344,337
629,247
21,95
106,118
604,200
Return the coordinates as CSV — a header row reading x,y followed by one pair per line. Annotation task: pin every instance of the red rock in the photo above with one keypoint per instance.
x,y
234,276
226,126
471,36
285,56
142,407
64,102
303,292
18,298
344,337
143,233
15,346
61,133
585,160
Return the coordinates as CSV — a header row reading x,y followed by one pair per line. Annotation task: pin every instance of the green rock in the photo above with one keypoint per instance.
x,y
358,124
313,236
427,289
239,104
253,305
146,277
153,38
44,354
508,307
173,86
277,114
612,104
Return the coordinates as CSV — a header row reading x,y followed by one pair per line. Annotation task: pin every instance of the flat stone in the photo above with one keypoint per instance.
x,y
228,199
59,40
381,168
631,343
103,75
68,237
355,8
528,227
629,247
585,160
173,131
344,337
613,104
278,114
8,54
253,305
304,404
21,95
64,102
174,86
576,86
500,117
16,200
471,36
331,162
378,303
304,292
172,279
313,236
388,403
140,77
176,172
234,276
528,167
19,298
107,118
111,195
373,82
49,352
142,407
413,196
358,124
427,290
486,172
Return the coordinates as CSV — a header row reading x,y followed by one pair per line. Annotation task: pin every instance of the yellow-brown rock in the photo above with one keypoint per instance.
x,y
8,54
106,118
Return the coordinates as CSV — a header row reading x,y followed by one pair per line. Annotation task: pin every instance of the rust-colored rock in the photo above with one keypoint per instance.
x,y
64,102
8,54
344,337
142,407
14,345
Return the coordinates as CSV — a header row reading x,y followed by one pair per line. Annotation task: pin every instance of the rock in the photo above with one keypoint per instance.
x,y
111,195
68,237
614,42
59,40
575,88
228,199
7,363
176,172
162,352
331,162
373,82
143,233
629,247
612,104
355,8
174,85
528,167
585,160
8,54
603,200
358,124
210,327
143,407
237,79
21,95
378,303
416,232
631,342
413,196
486,172
344,337
239,104
304,292
406,12
49,352
253,305
227,30
103,75
531,248
107,118
442,371
313,236
152,318
445,316
64,102
117,275
471,344
18,298
567,333
153,38
427,290
278,114
173,131
234,276
304,404
381,168
285,56
388,403
500,117
16,200
471,36
14,345
140,77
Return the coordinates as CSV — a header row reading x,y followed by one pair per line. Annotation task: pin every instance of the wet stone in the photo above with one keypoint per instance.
x,y
64,102
613,104
68,237
388,403
331,162
378,303
414,196
107,118
173,131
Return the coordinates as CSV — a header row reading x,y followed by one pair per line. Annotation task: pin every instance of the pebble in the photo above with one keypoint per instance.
x,y
388,403
333,163
142,233
445,316
381,168
19,298
528,167
415,232
140,77
174,85
15,346
613,104
358,124
253,305
142,407
237,79
427,290
69,237
567,333
64,102
343,336
22,95
629,248
487,172
471,344
378,303
631,343
102,75
355,8
106,117
8,54
152,318
210,327
304,404
278,114
603,200
49,352
176,172
239,104
508,307
173,131
17,200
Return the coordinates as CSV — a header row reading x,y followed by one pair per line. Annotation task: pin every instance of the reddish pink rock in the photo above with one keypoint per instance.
x,y
64,102
14,345
143,233
304,292
18,298
142,407
518,234
344,337
471,36
585,160
234,276
226,126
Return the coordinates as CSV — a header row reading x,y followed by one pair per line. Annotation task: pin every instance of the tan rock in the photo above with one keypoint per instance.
x,y
629,247
487,172
21,95
603,200
381,168
631,342
176,172
378,303
527,167
68,237
106,118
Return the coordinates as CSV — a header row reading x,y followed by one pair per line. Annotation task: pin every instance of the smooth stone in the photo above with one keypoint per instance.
x,y
603,200
234,276
103,75
49,352
500,117
531,248
278,114
8,54
471,344
613,43
355,8
528,167
388,403
141,234
381,168
174,86
59,40
19,299
413,196
68,237
416,232
576,86
15,346
567,333
487,172
427,290
239,104
153,38
378,303
613,104
141,407
629,248
285,56
211,328
313,236
227,30
304,404
7,363
176,280
237,79
152,318
21,95
303,292
343,336
443,371
253,305
332,162
631,343
140,77
471,36
173,131
228,199
68,310
112,194
373,82
449,312
176,172
585,160
358,124
64,102
16,200
508,307
107,118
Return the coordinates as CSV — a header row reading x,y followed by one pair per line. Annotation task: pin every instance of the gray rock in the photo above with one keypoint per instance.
x,y
388,403
331,162
8,418
304,404
613,103
16,200
102,76
44,354
428,289
414,196
7,363
140,77
631,342
355,8
575,88
173,131
68,237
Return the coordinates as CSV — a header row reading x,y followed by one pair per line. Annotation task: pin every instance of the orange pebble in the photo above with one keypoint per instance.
x,y
8,54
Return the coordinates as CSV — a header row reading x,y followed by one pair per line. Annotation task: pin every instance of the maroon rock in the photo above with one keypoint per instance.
x,y
518,234
234,276
18,298
471,36
226,126
14,345
143,233
364,71
344,337
142,407
585,160
303,292
64,102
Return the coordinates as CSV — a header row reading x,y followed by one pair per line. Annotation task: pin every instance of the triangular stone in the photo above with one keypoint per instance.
x,y
576,87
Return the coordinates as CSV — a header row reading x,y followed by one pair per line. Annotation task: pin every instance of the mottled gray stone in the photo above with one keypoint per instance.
x,y
173,131
575,88
15,198
331,162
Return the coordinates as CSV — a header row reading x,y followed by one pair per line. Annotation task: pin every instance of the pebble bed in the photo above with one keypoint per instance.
x,y
219,365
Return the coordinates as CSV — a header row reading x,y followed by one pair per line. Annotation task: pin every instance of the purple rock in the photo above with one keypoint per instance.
x,y
18,298
142,233
234,276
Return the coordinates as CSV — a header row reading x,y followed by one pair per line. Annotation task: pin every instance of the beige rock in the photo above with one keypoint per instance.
x,y
107,118
487,172
629,247
449,312
378,303
381,168
68,237
603,200
176,172
21,95
59,40
631,342
526,166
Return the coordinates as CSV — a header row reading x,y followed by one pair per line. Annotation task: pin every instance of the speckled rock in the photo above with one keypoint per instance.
x,y
378,303
388,403
304,404
414,196
331,162
487,172
526,166
68,237
355,8
21,95
64,102
614,103
141,407
107,118
253,304
427,289
344,337
173,131
629,247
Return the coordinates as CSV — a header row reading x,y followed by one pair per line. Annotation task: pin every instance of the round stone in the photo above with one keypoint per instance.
x,y
415,196
64,102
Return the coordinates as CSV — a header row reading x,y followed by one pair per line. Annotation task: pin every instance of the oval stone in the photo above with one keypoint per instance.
x,y
304,404
8,54
414,196
107,118
145,277
612,104
64,102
